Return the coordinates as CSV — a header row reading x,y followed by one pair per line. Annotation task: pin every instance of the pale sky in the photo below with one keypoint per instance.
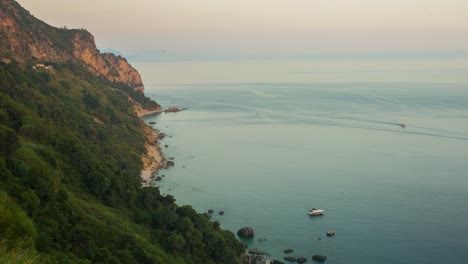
x,y
264,28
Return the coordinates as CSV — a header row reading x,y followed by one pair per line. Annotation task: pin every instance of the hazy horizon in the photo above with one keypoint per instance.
x,y
209,29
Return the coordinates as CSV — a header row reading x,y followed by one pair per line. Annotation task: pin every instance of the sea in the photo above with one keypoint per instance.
x,y
266,140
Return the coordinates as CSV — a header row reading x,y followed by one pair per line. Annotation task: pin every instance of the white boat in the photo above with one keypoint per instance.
x,y
314,211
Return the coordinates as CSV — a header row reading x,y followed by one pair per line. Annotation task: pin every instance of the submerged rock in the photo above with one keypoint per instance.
x,y
301,260
277,262
291,259
287,251
221,212
319,258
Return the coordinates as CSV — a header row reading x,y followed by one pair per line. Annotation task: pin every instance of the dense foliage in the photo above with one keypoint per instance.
x,y
70,191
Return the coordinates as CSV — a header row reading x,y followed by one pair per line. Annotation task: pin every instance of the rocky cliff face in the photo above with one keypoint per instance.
x,y
25,38
114,68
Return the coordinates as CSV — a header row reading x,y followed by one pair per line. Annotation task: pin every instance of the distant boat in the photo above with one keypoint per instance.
x,y
331,232
314,212
402,124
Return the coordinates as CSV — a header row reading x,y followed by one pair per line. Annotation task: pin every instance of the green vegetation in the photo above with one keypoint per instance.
x,y
70,191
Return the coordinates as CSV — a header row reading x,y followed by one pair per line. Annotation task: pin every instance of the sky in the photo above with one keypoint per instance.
x,y
264,28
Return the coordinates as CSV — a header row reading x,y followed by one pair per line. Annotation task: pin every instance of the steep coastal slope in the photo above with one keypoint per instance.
x,y
25,38
70,158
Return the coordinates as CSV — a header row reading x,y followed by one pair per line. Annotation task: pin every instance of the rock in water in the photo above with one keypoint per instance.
x,y
277,262
301,260
319,258
256,251
207,215
246,232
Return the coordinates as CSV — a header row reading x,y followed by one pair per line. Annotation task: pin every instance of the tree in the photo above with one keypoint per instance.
x,y
8,141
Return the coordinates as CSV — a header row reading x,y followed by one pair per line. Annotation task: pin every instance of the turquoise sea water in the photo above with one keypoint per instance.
x,y
265,144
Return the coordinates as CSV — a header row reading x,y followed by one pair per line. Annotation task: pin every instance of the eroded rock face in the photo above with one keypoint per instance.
x,y
24,43
245,232
112,67
25,38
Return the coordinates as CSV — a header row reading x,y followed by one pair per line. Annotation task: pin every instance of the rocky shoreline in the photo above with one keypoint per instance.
x,y
154,159
144,112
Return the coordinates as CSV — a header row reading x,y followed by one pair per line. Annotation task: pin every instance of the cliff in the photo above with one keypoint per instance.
x,y
114,68
24,38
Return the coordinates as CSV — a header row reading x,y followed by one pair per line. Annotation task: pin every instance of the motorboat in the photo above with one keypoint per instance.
x,y
314,211
331,232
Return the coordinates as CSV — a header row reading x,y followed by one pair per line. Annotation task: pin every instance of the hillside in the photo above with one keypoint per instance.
x,y
25,38
70,158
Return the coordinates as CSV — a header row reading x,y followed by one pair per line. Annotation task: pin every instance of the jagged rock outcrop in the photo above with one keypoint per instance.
x,y
24,38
